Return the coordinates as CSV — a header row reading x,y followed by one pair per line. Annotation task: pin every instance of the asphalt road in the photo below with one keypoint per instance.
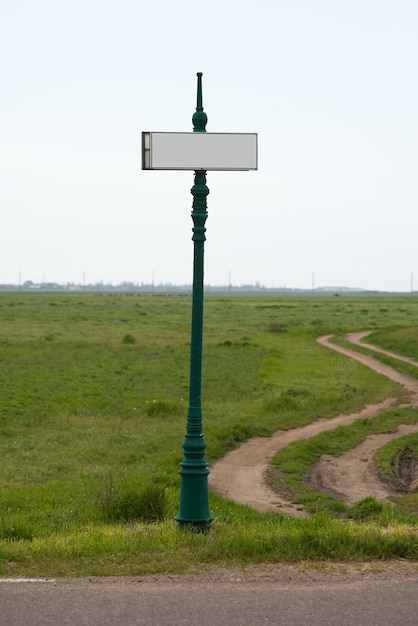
x,y
341,601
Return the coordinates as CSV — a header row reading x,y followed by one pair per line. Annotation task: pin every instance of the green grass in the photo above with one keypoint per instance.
x,y
398,339
93,398
143,549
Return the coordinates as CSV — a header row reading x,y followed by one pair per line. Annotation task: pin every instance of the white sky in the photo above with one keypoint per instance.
x,y
330,86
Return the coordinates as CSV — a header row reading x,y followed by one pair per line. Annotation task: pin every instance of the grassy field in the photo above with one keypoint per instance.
x,y
93,399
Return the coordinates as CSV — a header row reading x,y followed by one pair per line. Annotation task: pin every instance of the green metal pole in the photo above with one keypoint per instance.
x,y
194,493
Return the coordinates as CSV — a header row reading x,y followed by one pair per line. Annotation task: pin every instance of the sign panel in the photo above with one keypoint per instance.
x,y
199,151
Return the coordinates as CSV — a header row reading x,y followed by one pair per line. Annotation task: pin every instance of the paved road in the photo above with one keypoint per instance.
x,y
176,601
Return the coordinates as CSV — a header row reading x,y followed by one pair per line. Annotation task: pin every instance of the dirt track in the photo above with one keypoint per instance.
x,y
241,474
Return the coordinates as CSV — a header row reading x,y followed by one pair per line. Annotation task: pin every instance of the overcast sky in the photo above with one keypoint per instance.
x,y
330,86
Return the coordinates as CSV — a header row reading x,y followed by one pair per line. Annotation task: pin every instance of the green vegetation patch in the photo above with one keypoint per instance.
x,y
94,386
161,548
397,339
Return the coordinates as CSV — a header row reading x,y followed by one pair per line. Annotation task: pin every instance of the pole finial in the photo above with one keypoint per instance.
x,y
199,118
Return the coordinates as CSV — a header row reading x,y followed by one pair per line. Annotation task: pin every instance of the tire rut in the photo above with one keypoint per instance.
x,y
241,474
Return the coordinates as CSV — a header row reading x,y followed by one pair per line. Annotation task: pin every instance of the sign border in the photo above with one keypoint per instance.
x,y
147,152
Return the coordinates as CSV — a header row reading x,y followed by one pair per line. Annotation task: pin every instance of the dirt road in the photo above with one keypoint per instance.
x,y
241,474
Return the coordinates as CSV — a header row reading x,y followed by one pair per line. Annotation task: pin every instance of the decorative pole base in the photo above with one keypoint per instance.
x,y
194,511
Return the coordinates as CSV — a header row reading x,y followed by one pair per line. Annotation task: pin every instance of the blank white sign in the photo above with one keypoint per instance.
x,y
199,151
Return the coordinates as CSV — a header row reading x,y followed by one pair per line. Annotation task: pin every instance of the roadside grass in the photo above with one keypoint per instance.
x,y
93,398
159,548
